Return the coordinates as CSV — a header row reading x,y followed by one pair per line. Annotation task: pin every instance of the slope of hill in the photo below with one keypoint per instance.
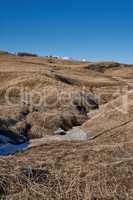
x,y
42,100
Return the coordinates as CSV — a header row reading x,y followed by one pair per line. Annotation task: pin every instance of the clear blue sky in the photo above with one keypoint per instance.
x,y
92,29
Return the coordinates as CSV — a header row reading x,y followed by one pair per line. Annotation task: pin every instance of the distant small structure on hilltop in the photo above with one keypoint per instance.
x,y
26,54
84,60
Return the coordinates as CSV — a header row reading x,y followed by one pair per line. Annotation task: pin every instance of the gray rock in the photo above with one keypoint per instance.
x,y
60,131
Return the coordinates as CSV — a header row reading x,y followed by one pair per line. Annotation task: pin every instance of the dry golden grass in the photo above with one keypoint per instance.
x,y
100,168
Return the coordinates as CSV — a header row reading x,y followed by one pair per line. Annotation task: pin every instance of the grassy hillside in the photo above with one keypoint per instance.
x,y
40,95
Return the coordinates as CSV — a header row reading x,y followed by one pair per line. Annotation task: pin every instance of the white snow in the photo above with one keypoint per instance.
x,y
66,58
84,60
76,134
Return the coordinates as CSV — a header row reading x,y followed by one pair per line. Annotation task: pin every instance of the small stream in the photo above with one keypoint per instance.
x,y
8,148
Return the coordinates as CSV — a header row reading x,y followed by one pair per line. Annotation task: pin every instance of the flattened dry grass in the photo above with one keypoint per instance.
x,y
64,171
